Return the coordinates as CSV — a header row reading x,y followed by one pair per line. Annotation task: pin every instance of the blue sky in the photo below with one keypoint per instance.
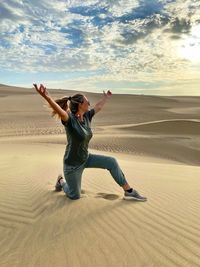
x,y
127,46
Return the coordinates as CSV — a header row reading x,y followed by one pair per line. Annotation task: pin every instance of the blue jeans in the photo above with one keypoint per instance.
x,y
72,186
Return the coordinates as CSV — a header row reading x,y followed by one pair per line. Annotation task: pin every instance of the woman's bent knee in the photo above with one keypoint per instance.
x,y
113,162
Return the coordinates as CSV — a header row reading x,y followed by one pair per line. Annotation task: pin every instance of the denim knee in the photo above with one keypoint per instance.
x,y
75,197
113,162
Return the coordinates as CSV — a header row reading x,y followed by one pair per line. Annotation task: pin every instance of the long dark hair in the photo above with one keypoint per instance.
x,y
73,103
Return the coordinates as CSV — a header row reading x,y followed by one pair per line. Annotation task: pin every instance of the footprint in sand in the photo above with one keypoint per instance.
x,y
85,193
108,196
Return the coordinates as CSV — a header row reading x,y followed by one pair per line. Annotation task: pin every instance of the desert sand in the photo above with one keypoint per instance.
x,y
157,145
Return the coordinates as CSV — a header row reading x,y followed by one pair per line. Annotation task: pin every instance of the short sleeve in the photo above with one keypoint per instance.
x,y
90,114
65,123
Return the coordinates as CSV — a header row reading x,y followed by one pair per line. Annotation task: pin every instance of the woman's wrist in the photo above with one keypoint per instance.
x,y
105,97
47,97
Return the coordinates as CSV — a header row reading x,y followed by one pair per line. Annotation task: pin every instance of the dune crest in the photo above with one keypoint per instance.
x,y
180,127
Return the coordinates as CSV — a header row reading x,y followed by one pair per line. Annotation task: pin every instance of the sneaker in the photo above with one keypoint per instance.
x,y
134,195
58,186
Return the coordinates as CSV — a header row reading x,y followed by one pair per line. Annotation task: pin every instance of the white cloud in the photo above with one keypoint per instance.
x,y
120,7
41,35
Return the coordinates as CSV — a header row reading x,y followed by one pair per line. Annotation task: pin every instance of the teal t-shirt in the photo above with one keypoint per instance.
x,y
78,137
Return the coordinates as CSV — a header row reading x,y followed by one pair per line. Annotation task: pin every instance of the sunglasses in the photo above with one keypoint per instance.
x,y
88,102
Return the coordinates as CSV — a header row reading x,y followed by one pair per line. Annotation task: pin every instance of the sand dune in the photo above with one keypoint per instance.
x,y
181,150
42,228
176,127
188,110
156,143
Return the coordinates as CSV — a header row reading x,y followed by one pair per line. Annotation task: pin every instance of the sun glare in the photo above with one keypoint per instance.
x,y
190,48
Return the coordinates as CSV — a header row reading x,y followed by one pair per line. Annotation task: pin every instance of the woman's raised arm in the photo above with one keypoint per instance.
x,y
44,93
101,103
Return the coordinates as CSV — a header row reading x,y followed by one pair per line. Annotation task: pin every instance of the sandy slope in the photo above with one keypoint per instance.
x,y
134,124
42,228
157,145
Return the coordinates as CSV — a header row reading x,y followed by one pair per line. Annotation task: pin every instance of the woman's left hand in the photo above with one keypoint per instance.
x,y
108,94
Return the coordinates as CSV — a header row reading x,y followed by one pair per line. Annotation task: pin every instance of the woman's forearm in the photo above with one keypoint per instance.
x,y
45,94
101,103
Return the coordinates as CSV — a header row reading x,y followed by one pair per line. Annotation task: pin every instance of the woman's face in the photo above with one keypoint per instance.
x,y
85,105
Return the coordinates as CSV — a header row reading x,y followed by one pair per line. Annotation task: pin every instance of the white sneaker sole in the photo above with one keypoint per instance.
x,y
134,198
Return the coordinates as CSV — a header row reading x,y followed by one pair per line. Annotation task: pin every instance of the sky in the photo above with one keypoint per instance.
x,y
149,47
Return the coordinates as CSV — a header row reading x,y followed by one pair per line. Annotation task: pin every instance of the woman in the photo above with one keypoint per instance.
x,y
77,122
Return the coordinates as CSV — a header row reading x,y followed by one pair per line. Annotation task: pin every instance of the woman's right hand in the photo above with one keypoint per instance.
x,y
41,90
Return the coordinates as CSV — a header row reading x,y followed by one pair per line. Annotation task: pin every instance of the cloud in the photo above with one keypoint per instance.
x,y
118,8
74,34
128,40
6,13
139,29
145,9
91,11
181,25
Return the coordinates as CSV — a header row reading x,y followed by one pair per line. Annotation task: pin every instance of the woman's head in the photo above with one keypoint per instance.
x,y
78,102
75,103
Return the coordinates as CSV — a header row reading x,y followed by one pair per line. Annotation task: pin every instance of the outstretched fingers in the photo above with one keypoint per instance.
x,y
41,90
35,85
108,93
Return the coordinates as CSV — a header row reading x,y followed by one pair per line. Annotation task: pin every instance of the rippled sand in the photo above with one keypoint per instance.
x,y
156,142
